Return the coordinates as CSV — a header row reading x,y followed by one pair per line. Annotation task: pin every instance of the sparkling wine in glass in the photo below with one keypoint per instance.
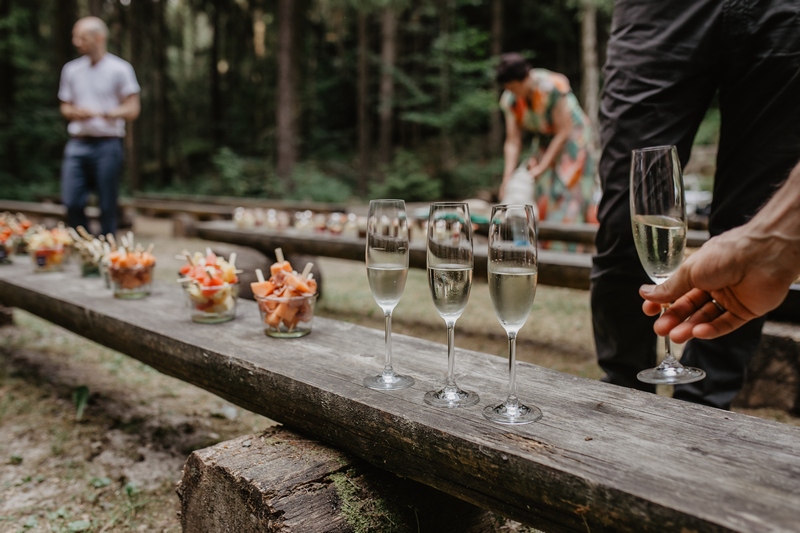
x,y
513,274
450,281
658,217
387,268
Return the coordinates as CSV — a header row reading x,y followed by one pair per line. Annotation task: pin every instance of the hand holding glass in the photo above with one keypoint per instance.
x,y
658,217
387,268
450,281
513,273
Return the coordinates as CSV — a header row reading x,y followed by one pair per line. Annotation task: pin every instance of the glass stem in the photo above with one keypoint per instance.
x,y
512,369
451,354
669,359
387,367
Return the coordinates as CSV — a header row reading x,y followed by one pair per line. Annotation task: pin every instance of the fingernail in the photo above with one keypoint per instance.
x,y
647,289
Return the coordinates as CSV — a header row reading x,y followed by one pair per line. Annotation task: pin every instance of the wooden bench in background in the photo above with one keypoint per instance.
x,y
602,458
50,213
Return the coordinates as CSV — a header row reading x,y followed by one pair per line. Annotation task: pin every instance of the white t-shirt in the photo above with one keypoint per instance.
x,y
99,87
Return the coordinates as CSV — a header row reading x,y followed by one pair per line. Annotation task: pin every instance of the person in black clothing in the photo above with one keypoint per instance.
x,y
665,63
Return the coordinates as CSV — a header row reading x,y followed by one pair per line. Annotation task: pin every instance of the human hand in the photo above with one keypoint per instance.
x,y
744,272
82,113
534,168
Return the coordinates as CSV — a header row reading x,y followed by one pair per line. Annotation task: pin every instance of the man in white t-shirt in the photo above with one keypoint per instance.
x,y
98,93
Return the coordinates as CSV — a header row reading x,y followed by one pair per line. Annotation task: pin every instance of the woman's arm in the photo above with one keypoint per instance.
x,y
511,150
562,124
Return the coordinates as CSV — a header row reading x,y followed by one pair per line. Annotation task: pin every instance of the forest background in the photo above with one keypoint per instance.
x,y
327,100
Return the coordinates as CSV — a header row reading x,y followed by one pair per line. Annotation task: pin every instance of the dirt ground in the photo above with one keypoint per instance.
x,y
115,468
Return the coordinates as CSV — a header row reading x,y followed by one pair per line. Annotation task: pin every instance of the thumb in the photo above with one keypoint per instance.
x,y
676,286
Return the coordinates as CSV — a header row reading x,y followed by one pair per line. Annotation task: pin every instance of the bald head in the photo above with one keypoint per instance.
x,y
89,37
92,25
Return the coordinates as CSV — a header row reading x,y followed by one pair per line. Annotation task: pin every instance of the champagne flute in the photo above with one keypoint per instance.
x,y
450,280
513,273
387,268
658,217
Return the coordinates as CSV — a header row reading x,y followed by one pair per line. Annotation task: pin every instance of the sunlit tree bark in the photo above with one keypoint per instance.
x,y
286,149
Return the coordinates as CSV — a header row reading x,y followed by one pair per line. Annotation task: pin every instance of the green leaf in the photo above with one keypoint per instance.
x,y
81,397
15,460
100,482
30,522
79,525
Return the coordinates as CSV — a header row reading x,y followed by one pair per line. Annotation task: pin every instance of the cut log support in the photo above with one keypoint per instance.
x,y
283,482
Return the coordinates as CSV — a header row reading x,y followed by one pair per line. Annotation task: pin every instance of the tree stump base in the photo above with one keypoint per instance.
x,y
283,482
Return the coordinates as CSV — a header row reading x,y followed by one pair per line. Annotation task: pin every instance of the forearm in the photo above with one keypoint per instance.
x,y
128,110
511,151
555,146
72,112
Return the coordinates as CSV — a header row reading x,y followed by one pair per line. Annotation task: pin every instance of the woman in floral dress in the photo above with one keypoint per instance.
x,y
560,174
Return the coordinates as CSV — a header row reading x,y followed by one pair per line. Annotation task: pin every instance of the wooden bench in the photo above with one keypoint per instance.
x,y
602,458
43,211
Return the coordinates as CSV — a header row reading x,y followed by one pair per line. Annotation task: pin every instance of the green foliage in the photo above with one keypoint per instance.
x,y
406,179
310,183
81,397
708,132
241,176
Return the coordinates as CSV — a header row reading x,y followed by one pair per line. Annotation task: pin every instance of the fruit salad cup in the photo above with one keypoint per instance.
x,y
47,259
131,283
212,304
287,317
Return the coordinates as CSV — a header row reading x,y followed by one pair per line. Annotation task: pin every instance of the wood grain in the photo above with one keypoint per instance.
x,y
282,482
603,458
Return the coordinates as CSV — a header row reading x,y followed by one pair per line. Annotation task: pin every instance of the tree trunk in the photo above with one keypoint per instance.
x,y
216,96
386,95
135,18
65,16
8,75
285,106
96,8
363,105
590,83
448,157
496,119
160,94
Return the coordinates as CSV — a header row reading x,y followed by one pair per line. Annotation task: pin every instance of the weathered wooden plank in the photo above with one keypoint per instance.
x,y
603,458
144,200
281,481
586,233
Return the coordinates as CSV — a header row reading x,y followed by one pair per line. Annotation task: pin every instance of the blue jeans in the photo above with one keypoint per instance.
x,y
91,163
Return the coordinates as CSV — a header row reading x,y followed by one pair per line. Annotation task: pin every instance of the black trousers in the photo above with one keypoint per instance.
x,y
665,63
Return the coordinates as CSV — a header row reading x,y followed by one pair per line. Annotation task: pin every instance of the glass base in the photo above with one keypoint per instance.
x,y
451,397
279,334
671,375
388,382
212,318
131,294
517,414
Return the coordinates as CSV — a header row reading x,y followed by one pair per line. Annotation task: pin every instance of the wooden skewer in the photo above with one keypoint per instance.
x,y
307,270
150,248
279,255
232,259
260,275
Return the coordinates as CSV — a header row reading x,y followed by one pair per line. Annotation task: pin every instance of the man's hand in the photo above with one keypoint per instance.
x,y
748,274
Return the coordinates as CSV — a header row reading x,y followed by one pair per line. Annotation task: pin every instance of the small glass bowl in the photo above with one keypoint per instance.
x,y
90,269
287,318
131,283
48,259
211,305
6,250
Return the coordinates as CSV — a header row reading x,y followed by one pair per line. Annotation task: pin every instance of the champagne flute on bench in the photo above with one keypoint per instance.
x,y
513,273
387,269
658,217
450,263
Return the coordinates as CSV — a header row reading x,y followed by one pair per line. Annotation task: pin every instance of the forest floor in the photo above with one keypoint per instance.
x,y
115,468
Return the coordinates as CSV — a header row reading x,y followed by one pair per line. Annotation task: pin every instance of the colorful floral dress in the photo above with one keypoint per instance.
x,y
565,192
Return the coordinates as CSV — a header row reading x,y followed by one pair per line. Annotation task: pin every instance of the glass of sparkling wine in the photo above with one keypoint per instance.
x,y
387,268
658,217
450,280
513,273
